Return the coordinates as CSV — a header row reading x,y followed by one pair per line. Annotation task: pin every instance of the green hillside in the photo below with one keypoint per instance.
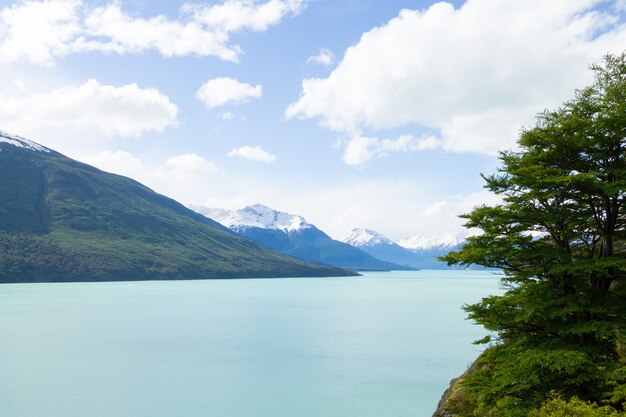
x,y
61,220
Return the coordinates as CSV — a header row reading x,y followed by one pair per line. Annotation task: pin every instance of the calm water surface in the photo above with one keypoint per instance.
x,y
383,345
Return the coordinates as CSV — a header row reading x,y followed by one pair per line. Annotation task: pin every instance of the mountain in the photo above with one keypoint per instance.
x,y
417,252
61,220
380,247
426,249
447,241
256,216
294,236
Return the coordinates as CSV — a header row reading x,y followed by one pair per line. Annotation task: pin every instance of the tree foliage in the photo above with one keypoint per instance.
x,y
559,235
558,407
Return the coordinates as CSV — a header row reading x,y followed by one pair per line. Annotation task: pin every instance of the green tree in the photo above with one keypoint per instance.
x,y
574,408
559,235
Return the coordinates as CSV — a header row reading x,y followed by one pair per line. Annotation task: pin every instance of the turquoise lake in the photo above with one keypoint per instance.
x,y
383,345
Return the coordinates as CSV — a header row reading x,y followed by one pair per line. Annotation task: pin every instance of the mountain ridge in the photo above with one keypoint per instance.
x,y
421,253
256,215
366,237
62,220
292,235
443,241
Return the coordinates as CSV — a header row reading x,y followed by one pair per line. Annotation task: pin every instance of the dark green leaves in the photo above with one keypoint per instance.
x,y
560,237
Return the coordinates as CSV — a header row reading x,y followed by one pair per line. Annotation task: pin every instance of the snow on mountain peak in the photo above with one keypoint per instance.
x,y
445,241
21,142
366,237
256,215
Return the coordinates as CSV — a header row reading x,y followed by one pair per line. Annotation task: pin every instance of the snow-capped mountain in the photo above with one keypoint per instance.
x,y
293,235
445,241
257,215
21,142
366,237
380,246
418,252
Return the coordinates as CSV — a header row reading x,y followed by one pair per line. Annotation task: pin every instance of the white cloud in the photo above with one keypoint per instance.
x,y
377,204
42,31
219,91
325,58
437,208
190,162
382,204
127,110
475,74
119,162
38,31
255,153
123,33
362,149
226,115
234,15
182,177
453,206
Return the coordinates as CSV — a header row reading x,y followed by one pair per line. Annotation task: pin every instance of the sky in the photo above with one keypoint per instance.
x,y
351,113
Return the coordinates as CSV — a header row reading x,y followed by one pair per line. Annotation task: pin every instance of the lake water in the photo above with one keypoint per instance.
x,y
382,345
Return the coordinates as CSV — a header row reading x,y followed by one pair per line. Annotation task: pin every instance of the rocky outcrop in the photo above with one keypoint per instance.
x,y
454,401
450,398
